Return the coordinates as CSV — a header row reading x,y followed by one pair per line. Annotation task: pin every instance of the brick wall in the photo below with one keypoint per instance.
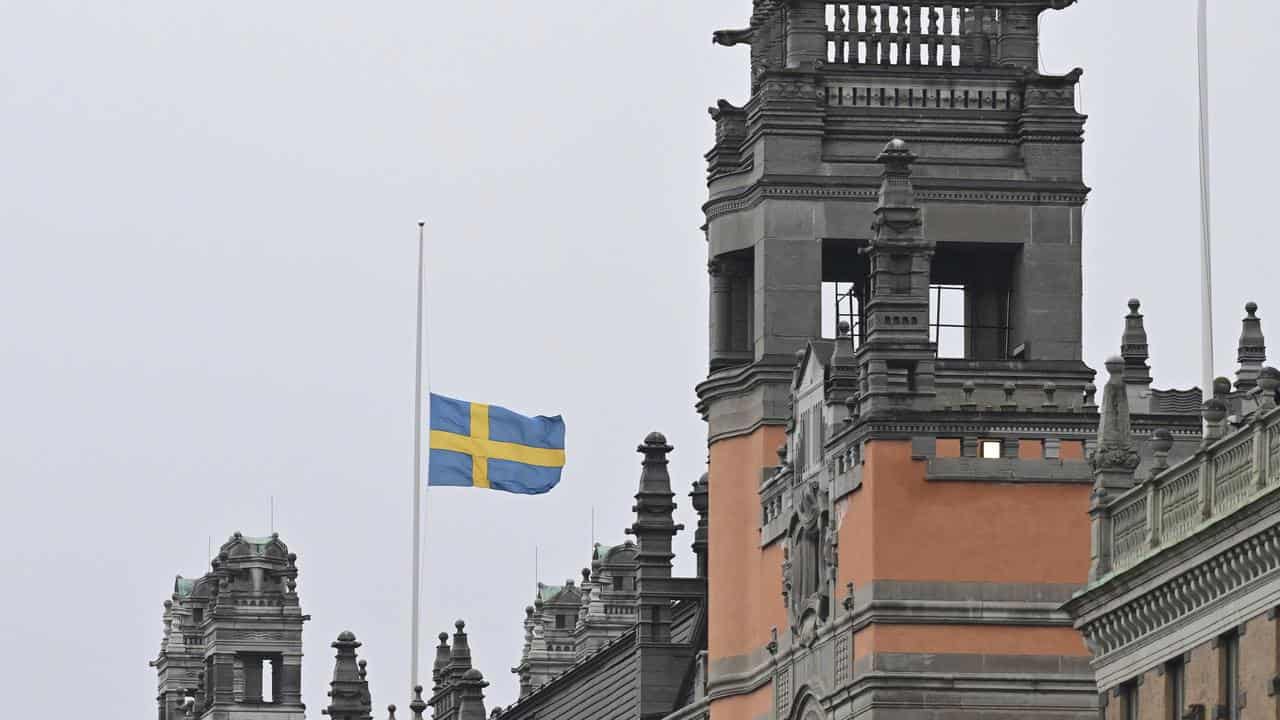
x,y
1203,678
1258,650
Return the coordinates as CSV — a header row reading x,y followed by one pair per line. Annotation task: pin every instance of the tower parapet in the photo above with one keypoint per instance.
x,y
235,636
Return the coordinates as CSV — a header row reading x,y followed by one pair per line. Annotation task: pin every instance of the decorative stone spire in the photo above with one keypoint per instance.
x,y
349,690
1116,456
460,653
418,705
700,497
843,379
1134,350
654,508
653,529
442,661
896,357
1251,352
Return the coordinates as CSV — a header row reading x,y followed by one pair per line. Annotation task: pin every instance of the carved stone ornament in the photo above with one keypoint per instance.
x,y
809,563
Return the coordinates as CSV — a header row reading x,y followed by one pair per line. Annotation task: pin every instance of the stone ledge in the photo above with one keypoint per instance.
x,y
1008,470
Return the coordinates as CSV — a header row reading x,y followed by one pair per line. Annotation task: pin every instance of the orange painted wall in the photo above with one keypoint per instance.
x,y
745,583
901,527
744,707
967,639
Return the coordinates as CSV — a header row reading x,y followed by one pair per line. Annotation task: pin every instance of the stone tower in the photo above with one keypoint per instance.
x,y
897,495
232,648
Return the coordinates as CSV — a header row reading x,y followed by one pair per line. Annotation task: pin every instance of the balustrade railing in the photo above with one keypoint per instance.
x,y
1202,489
910,33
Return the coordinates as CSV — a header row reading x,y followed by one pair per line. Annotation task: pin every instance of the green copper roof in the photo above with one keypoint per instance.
x,y
182,586
546,592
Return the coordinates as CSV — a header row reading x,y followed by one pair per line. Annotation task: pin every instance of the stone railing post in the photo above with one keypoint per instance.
x,y
1214,413
1099,536
1161,444
806,34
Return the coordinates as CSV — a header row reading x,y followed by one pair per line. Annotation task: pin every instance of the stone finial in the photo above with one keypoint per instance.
x,y
460,653
1214,413
1050,389
391,712
1116,456
700,496
1221,388
471,695
1010,402
1161,444
1251,352
851,408
968,389
1133,346
1090,397
896,159
349,689
438,677
654,527
1268,382
418,705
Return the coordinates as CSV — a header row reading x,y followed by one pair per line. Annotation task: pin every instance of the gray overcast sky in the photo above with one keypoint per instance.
x,y
206,287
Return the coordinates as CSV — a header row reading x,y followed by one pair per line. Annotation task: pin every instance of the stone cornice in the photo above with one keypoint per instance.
x,y
1184,595
927,190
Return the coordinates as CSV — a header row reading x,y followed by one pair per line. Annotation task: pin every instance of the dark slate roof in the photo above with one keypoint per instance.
x,y
602,686
1176,402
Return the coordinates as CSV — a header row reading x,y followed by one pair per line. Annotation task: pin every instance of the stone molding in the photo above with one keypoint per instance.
x,y
1184,596
758,193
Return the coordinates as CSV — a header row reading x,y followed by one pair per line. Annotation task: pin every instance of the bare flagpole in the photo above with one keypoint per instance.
x,y
417,479
1206,259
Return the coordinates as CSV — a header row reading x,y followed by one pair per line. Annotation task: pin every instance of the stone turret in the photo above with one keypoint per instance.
x,y
897,357
653,529
233,629
1251,351
701,504
349,690
1135,352
458,694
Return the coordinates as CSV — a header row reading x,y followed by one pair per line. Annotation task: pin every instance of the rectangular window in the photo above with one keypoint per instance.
x,y
991,449
1229,661
1129,700
1175,673
197,616
562,621
617,582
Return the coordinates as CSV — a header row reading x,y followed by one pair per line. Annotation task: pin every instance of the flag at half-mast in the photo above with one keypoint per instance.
x,y
487,446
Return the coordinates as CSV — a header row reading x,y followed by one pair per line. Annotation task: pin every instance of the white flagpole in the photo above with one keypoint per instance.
x,y
417,478
1206,259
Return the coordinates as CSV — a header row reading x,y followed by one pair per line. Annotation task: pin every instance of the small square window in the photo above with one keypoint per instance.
x,y
562,621
991,449
617,582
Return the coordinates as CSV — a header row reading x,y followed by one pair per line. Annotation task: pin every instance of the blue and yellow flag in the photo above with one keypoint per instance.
x,y
486,446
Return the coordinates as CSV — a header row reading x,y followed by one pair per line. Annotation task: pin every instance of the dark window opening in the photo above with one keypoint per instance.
x,y
562,622
1175,673
1129,700
845,283
1229,659
970,300
617,582
197,616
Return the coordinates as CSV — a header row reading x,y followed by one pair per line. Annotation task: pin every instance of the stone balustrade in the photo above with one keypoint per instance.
x,y
1176,503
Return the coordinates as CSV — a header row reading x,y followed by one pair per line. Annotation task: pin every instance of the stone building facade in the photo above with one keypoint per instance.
x,y
1180,613
232,649
903,500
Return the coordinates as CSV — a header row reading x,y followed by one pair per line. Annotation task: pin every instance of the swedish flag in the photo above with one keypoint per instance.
x,y
486,446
